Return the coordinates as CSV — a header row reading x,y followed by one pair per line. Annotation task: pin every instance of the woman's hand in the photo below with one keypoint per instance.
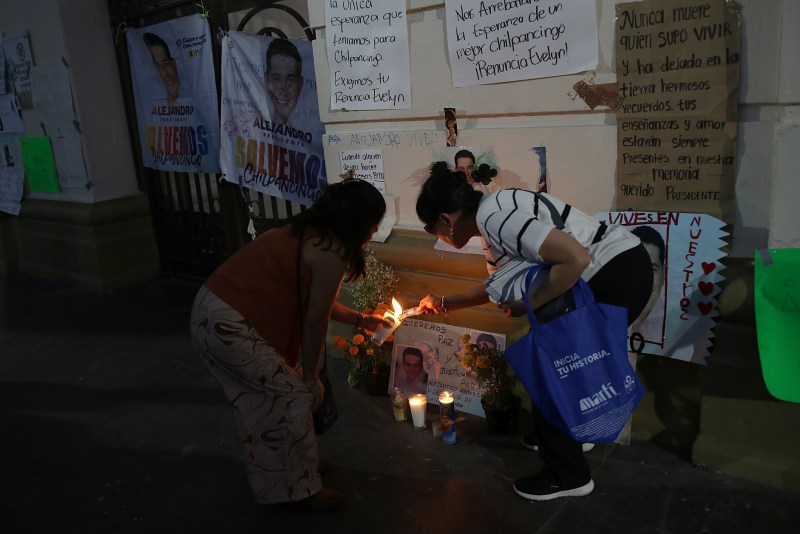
x,y
430,304
317,393
372,322
515,308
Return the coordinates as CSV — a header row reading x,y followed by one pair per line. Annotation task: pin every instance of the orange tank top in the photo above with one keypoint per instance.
x,y
260,282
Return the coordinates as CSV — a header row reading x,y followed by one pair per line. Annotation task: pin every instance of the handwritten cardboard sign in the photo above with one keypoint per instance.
x,y
678,74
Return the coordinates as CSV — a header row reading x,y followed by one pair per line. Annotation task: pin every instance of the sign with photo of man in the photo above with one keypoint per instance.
x,y
271,131
176,96
685,250
427,359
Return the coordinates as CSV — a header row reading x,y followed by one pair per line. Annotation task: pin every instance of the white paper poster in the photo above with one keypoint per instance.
x,y
272,135
441,349
19,59
491,42
3,88
52,97
176,95
685,249
368,57
10,119
367,165
12,174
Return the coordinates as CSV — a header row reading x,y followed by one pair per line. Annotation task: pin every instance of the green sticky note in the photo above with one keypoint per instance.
x,y
777,300
40,167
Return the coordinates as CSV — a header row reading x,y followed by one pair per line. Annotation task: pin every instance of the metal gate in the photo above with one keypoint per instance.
x,y
199,219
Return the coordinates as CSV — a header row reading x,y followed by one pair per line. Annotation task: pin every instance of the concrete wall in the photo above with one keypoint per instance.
x,y
719,415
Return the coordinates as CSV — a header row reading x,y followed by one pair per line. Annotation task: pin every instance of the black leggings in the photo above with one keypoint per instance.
x,y
626,280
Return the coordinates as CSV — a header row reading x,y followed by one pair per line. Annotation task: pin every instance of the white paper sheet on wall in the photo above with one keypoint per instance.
x,y
491,42
52,98
368,55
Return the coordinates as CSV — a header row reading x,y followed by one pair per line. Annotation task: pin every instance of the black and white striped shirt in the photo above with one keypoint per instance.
x,y
515,222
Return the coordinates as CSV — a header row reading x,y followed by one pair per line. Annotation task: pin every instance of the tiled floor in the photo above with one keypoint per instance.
x,y
109,423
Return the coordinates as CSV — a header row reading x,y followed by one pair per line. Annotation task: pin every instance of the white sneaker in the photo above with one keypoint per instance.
x,y
537,488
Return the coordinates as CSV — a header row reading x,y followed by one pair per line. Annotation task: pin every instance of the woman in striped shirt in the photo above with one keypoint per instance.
x,y
521,225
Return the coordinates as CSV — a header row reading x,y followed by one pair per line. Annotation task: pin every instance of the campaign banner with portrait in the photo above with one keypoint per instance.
x,y
427,359
176,96
685,252
271,131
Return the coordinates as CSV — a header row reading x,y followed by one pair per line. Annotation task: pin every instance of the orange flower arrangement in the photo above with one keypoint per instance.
x,y
366,357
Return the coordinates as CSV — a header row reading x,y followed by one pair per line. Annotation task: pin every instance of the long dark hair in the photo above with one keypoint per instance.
x,y
346,213
445,191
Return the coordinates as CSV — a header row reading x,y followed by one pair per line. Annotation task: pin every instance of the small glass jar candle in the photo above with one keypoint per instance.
x,y
447,416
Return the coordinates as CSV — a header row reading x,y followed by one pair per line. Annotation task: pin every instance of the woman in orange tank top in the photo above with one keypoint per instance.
x,y
260,323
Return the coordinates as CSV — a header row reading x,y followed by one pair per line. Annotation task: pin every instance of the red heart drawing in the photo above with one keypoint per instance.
x,y
706,288
708,268
705,307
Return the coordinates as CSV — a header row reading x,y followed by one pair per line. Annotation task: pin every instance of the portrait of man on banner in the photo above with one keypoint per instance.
x,y
176,97
272,134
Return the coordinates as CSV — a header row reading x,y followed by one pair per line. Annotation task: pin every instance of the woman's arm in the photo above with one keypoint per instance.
x,y
327,271
568,259
474,296
369,322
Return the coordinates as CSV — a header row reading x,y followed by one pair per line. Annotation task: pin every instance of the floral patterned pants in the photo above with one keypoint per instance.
x,y
272,405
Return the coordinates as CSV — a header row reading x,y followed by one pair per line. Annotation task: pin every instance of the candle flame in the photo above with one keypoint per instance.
x,y
398,310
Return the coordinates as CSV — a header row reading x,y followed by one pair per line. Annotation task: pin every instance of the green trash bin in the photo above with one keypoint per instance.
x,y
777,301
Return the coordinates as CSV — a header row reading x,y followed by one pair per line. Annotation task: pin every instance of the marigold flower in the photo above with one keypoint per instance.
x,y
353,351
390,339
370,352
482,362
358,339
468,361
341,343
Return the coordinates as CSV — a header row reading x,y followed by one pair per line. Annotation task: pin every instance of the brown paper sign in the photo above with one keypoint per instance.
x,y
678,77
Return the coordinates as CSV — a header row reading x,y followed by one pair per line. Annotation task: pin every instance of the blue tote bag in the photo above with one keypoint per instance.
x,y
575,367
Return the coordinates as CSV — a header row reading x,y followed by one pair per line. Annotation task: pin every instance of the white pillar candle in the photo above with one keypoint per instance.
x,y
418,404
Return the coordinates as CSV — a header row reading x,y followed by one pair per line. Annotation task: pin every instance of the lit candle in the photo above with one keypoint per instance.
x,y
447,416
418,404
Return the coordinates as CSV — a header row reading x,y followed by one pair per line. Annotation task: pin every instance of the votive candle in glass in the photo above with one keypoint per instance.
x,y
447,416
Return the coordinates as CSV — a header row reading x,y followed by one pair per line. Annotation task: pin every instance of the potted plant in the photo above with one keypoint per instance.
x,y
489,366
370,370
369,294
